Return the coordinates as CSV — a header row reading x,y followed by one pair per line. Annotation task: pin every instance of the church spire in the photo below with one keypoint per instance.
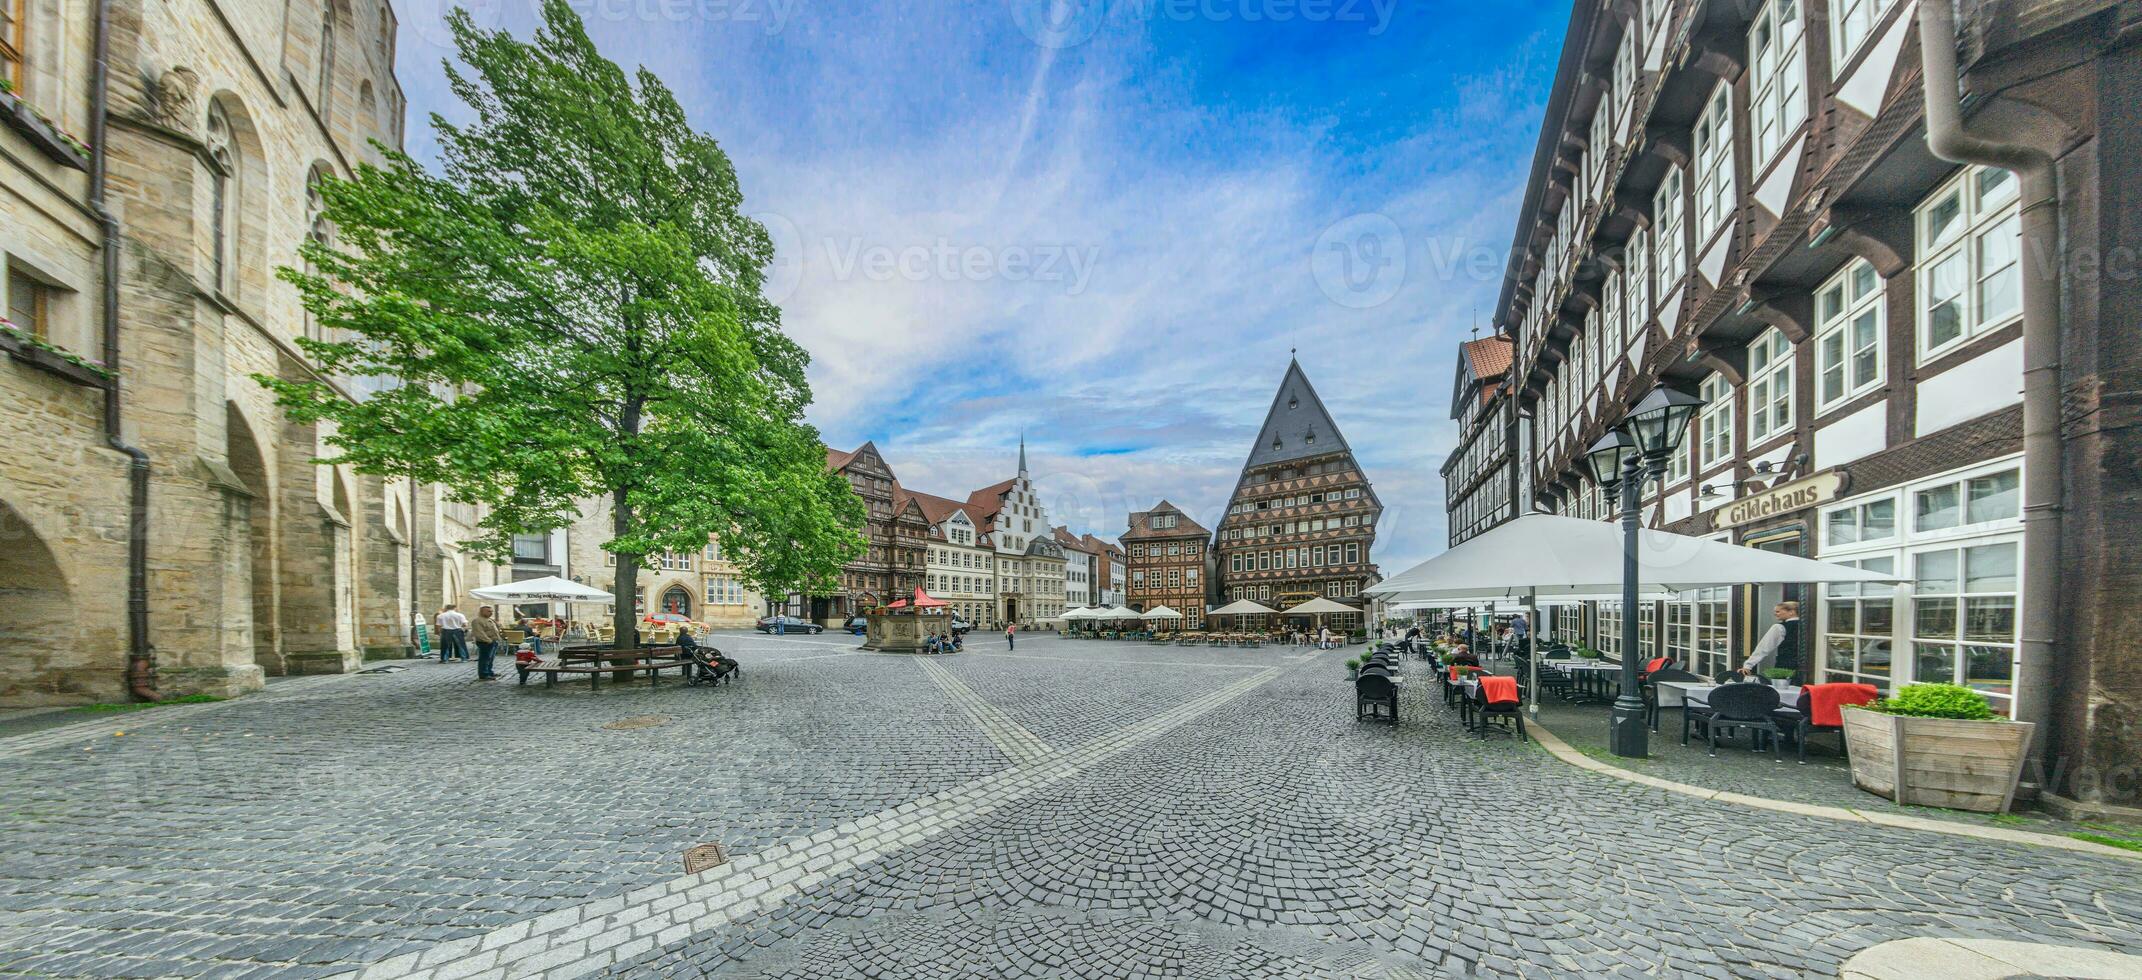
x,y
1022,455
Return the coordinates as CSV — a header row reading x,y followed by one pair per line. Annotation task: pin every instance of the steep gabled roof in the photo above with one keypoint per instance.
x,y
983,504
1141,524
1482,364
1297,426
937,509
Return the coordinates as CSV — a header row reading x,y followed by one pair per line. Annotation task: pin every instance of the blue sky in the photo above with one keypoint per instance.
x,y
1104,223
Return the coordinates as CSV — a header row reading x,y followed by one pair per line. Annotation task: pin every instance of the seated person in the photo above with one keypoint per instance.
x,y
687,646
933,644
1462,656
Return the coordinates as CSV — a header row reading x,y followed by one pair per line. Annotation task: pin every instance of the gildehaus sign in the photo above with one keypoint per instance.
x,y
1797,495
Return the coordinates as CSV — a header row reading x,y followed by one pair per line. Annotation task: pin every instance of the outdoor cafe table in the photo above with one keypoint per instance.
x,y
1685,693
1588,674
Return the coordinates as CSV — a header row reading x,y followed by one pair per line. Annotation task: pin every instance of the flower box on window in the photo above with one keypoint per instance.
x,y
39,129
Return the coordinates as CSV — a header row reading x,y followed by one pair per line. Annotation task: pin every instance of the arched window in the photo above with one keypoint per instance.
x,y
326,85
318,230
677,600
223,193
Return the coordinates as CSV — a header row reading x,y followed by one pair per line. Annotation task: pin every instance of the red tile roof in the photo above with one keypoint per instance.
x,y
1490,356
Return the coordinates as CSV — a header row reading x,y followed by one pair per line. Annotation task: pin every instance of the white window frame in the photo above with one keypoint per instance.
x,y
1777,78
1669,242
1851,321
1638,274
1770,386
1903,547
1714,425
1714,163
1852,22
1986,230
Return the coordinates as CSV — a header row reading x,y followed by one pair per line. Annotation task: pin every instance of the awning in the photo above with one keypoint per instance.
x,y
550,588
1547,556
1320,606
1161,612
1242,607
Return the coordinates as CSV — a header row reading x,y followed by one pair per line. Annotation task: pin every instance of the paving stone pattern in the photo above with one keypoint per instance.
x,y
1168,812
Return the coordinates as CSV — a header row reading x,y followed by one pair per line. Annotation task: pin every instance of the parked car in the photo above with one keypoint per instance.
x,y
858,625
961,626
788,624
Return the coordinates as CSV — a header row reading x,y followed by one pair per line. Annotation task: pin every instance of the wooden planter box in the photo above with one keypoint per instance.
x,y
1961,765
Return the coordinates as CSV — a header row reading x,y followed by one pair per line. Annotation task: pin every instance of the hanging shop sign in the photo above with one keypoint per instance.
x,y
1782,499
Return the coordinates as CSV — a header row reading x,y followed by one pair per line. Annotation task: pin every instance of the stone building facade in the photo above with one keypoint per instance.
x,y
1743,202
192,188
1302,520
962,565
1167,559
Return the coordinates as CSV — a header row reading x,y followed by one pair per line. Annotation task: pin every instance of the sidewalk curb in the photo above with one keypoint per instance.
x,y
1562,750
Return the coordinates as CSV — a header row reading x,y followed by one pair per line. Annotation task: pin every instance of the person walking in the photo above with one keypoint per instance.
x,y
453,634
487,636
1011,636
1323,638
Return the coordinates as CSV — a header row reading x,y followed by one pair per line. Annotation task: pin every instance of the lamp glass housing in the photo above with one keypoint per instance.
x,y
1659,423
1607,457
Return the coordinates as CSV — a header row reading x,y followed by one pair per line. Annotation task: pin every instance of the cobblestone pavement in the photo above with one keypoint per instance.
x,y
1074,809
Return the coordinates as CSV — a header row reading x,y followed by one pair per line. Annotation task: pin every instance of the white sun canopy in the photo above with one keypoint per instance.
x,y
1242,607
1548,556
1320,605
549,588
1161,612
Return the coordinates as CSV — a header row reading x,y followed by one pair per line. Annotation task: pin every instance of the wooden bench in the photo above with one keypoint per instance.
x,y
595,667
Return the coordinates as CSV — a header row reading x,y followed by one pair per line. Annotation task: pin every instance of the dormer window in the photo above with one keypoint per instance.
x,y
1275,443
1310,438
1292,401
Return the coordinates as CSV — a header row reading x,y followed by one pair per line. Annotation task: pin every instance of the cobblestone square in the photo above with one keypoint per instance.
x,y
1081,809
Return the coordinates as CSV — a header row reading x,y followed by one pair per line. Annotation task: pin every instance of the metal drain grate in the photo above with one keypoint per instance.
x,y
704,856
637,722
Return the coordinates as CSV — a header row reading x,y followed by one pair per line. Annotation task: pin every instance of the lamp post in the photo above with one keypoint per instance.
x,y
1620,463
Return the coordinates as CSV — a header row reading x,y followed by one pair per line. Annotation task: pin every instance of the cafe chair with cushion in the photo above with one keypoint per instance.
x,y
1822,711
1650,690
1734,707
1500,703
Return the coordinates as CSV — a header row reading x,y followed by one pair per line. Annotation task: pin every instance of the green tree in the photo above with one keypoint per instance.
x,y
573,310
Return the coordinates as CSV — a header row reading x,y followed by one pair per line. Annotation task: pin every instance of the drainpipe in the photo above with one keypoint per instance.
x,y
1949,138
140,653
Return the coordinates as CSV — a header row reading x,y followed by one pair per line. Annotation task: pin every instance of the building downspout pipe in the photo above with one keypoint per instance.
x,y
140,653
2043,480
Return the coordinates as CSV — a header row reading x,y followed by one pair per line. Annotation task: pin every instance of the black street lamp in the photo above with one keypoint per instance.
x,y
1621,462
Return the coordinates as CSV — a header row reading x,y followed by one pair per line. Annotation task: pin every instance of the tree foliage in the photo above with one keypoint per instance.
x,y
572,310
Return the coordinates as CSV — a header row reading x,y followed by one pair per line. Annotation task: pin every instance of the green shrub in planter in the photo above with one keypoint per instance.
x,y
1778,673
1353,663
1588,653
1936,701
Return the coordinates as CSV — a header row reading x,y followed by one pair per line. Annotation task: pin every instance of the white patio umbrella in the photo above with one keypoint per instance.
x,y
1161,612
1120,612
1542,558
549,588
1545,556
1318,606
1243,607
1078,614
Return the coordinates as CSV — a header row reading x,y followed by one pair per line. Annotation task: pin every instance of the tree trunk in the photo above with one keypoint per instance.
x,y
625,584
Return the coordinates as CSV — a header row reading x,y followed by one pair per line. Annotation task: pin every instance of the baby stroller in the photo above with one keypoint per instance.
x,y
711,666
